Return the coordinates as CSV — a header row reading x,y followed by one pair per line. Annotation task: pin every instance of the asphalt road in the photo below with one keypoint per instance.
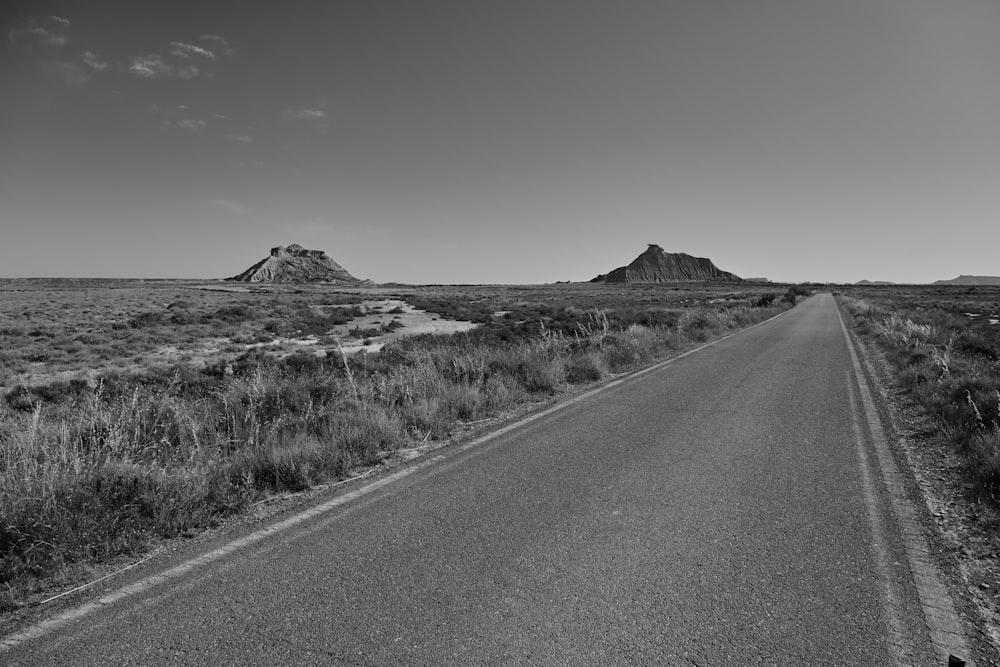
x,y
712,512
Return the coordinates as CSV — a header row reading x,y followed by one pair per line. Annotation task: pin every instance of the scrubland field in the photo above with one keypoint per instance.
x,y
941,348
132,412
943,344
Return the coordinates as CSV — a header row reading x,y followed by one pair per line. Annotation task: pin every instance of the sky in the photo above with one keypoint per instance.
x,y
504,141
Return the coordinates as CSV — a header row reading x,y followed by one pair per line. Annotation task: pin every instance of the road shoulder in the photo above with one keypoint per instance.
x,y
961,529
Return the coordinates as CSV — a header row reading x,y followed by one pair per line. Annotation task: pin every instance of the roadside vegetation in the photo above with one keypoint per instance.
x,y
943,344
103,448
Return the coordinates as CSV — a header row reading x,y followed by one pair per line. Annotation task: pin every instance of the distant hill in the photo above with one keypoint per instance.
x,y
658,266
873,282
295,264
970,280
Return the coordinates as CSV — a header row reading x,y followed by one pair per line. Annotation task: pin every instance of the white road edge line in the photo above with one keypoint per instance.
x,y
943,624
56,622
52,624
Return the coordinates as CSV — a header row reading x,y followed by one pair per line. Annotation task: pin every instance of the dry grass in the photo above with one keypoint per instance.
x,y
944,345
120,451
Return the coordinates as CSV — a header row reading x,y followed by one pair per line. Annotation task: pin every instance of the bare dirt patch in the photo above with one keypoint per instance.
x,y
395,319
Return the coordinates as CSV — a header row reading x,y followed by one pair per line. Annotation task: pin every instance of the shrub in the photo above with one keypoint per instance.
x,y
500,393
253,361
534,374
983,454
283,466
301,362
971,343
358,332
461,401
148,319
764,300
581,368
699,324
24,399
238,313
392,325
21,398
57,392
538,375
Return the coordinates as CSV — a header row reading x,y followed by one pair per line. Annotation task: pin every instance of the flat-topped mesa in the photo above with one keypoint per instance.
x,y
970,280
295,264
295,250
658,266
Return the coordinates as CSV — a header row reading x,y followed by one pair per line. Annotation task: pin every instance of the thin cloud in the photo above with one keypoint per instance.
x,y
303,113
222,44
152,66
190,125
37,35
239,138
44,31
183,50
230,206
91,59
147,66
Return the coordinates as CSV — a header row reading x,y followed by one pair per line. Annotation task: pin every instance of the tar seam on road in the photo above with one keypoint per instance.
x,y
51,625
943,623
897,644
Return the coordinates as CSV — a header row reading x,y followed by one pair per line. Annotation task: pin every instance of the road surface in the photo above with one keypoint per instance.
x,y
724,509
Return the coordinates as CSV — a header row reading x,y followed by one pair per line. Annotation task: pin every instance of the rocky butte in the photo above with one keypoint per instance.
x,y
295,264
657,266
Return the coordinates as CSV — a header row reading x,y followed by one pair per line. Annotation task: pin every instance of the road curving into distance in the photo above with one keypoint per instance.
x,y
726,508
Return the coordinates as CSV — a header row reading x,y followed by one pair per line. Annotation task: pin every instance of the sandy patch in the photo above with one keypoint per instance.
x,y
278,342
380,314
222,288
